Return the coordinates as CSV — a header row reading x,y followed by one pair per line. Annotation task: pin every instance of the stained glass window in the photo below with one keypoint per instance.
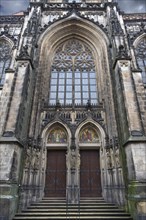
x,y
5,58
141,58
57,135
73,77
88,135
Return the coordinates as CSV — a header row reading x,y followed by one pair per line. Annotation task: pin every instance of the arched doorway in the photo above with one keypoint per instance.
x,y
55,178
90,171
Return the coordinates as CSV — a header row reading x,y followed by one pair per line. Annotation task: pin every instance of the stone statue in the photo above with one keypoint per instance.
x,y
37,162
78,161
109,162
28,158
73,160
73,116
117,159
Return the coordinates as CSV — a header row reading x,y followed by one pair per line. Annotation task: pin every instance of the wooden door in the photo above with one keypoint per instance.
x,y
55,185
90,180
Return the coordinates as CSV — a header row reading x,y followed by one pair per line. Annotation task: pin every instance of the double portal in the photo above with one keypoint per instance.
x,y
90,178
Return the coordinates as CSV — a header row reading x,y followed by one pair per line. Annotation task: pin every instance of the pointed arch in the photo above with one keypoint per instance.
x,y
56,128
5,56
140,48
98,131
73,28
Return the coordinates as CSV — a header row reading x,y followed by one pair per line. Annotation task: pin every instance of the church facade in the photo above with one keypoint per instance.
x,y
73,105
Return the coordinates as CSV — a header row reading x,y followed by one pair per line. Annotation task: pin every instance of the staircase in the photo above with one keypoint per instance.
x,y
95,208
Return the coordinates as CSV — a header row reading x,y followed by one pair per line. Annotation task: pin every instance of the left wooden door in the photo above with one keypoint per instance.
x,y
55,185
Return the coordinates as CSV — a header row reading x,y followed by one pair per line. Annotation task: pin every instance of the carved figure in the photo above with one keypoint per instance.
x,y
109,161
78,161
37,162
73,160
28,158
117,159
73,116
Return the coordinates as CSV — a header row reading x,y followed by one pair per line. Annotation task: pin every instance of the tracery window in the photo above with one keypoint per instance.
x,y
141,58
5,58
73,77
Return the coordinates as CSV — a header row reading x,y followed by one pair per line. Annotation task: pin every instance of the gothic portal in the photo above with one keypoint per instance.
x,y
72,105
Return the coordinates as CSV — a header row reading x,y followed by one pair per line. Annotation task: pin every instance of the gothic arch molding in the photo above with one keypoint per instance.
x,y
50,125
70,28
100,131
8,40
138,39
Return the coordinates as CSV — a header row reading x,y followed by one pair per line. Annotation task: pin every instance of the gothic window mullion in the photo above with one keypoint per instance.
x,y
57,98
89,87
81,80
65,84
73,83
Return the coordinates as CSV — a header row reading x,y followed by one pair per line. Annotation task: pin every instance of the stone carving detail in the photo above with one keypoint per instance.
x,y
115,24
12,19
28,158
73,117
37,161
73,160
117,159
109,160
24,53
122,52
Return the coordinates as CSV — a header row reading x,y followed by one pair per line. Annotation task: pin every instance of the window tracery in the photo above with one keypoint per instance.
x,y
73,77
141,57
5,58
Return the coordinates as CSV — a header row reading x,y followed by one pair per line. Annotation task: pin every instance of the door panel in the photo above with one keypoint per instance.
x,y
90,180
55,174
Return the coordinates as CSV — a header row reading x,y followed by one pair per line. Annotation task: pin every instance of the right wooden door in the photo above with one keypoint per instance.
x,y
90,178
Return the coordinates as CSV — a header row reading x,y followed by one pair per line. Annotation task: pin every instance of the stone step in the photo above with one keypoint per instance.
x,y
73,214
88,209
74,217
64,203
73,207
73,210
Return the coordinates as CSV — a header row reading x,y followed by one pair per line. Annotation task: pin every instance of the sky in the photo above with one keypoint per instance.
x,y
8,7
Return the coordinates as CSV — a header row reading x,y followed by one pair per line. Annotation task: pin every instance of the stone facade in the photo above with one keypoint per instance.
x,y
118,118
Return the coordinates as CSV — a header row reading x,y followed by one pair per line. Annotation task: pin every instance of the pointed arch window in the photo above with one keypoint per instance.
x,y
5,58
73,76
141,57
